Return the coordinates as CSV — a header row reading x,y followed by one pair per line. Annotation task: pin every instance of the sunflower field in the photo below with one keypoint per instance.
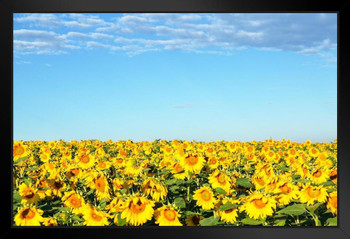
x,y
174,183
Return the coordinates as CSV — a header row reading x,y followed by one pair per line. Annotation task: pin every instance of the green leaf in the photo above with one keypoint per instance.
x,y
283,167
21,159
244,182
16,197
170,181
123,191
76,218
220,191
121,221
26,181
210,221
180,181
165,171
190,213
312,208
146,170
180,202
34,168
62,209
103,203
293,210
174,188
42,205
251,221
328,183
182,171
90,192
329,190
280,223
331,222
227,206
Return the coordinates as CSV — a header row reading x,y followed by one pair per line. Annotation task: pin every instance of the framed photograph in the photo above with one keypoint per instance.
x,y
200,119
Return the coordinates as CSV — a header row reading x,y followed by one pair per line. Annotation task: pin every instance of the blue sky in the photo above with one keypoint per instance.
x,y
202,77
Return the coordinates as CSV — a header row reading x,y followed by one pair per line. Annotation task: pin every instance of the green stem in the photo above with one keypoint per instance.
x,y
188,192
315,218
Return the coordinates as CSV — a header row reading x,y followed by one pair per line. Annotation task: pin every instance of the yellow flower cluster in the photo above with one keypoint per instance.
x,y
174,183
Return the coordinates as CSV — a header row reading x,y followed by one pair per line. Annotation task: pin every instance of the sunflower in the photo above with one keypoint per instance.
x,y
187,145
156,189
270,155
200,147
322,156
138,210
85,160
272,184
94,217
102,165
259,181
314,152
118,162
303,170
333,175
101,185
292,152
310,194
291,160
286,192
50,221
132,168
43,188
193,219
28,216
230,215
332,203
19,150
204,197
45,157
209,151
265,170
167,216
192,163
179,153
231,146
116,205
28,194
258,206
56,186
118,184
220,179
178,171
168,150
74,201
51,169
213,162
320,175
73,173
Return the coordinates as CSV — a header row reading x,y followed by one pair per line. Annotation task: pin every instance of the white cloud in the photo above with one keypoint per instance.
x,y
84,36
20,62
77,35
57,20
183,106
98,35
212,33
42,20
40,42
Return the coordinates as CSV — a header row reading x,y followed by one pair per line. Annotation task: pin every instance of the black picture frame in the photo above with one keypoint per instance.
x,y
342,8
